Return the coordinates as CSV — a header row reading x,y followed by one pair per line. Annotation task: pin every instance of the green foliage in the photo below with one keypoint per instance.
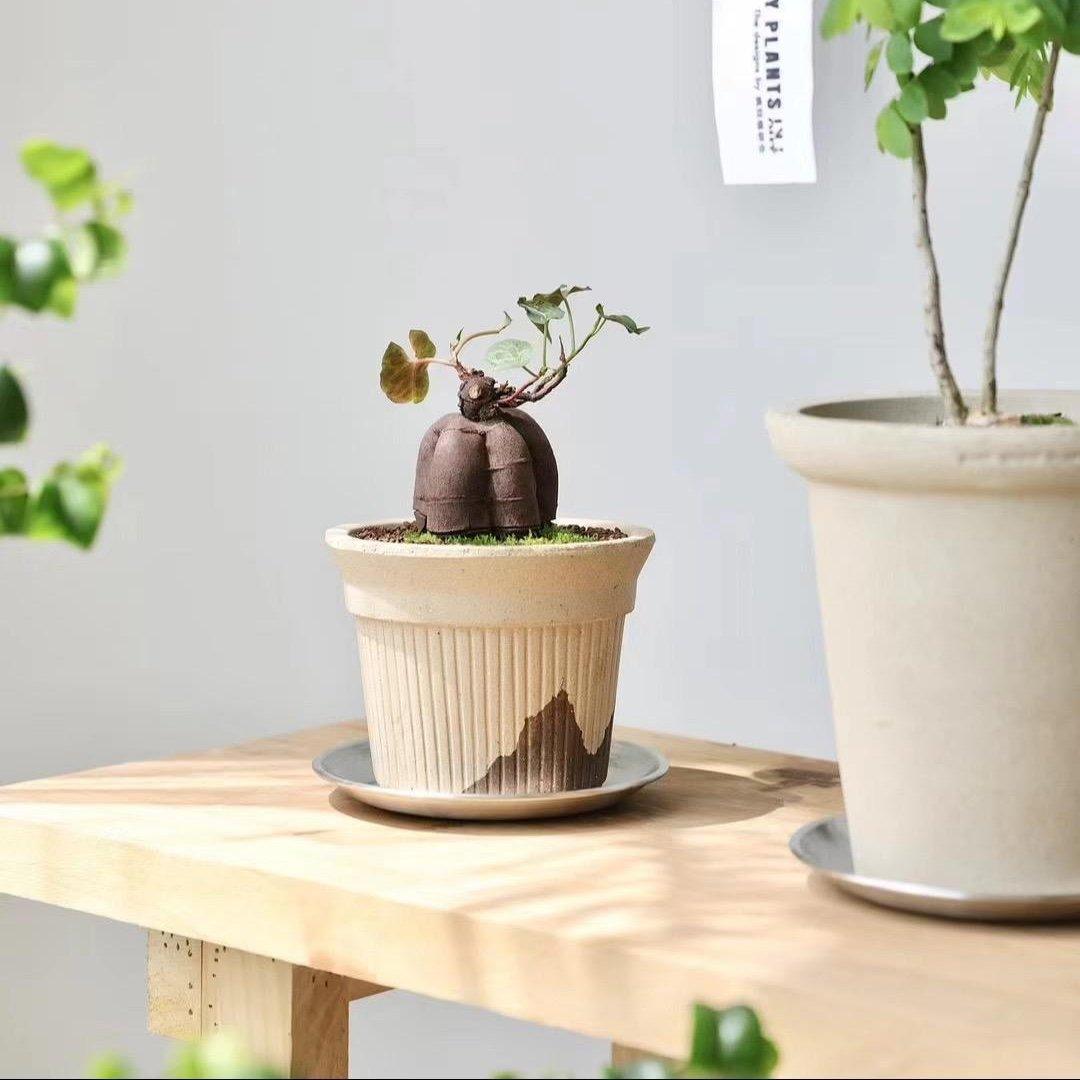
x,y
840,16
913,104
873,58
220,1055
110,1066
893,134
68,174
967,19
549,534
730,1042
938,55
725,1043
1046,419
14,501
624,321
544,308
42,274
70,503
404,378
899,54
14,411
929,40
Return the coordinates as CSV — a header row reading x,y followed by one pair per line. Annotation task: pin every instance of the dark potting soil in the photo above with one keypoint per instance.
x,y
406,532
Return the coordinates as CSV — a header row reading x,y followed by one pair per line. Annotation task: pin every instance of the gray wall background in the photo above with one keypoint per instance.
x,y
316,178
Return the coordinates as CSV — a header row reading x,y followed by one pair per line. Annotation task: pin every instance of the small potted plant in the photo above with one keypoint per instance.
x,y
946,529
489,631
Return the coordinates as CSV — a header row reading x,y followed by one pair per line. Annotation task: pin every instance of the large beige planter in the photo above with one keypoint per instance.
x,y
948,566
490,669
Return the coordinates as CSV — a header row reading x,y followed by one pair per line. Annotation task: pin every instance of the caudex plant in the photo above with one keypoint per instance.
x,y
935,59
42,275
489,468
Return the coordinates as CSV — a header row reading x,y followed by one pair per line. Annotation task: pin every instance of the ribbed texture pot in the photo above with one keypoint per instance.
x,y
948,564
488,669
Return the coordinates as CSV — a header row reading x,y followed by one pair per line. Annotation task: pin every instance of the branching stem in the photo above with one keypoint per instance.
x,y
540,385
955,409
456,348
1023,190
570,320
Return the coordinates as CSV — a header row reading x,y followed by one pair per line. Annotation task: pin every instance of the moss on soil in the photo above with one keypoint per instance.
x,y
407,533
1045,419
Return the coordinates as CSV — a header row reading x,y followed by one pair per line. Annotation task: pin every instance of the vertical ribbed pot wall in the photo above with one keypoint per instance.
x,y
948,565
490,669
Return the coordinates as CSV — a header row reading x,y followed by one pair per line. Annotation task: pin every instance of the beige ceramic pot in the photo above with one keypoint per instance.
x,y
948,565
490,669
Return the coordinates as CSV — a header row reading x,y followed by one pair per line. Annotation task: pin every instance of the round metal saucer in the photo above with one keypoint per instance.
x,y
825,847
632,766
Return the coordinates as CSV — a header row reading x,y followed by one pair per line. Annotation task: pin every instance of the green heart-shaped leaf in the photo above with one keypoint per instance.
x,y
72,501
624,321
907,13
939,82
929,40
730,1042
898,54
893,134
67,173
839,17
543,308
878,13
14,500
510,353
111,248
913,104
403,379
14,412
7,270
62,298
37,266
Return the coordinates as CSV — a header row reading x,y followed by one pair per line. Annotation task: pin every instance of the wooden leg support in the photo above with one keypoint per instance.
x,y
293,1018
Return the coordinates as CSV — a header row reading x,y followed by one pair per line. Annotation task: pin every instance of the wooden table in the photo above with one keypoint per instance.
x,y
278,901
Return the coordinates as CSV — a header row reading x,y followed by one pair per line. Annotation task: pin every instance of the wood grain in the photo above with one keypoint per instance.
x,y
611,925
289,1016
174,985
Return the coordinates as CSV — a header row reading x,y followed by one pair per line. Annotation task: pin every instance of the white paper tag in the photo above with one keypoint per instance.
x,y
763,88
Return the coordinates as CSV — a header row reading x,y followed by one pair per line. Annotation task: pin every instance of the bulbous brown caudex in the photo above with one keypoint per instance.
x,y
489,467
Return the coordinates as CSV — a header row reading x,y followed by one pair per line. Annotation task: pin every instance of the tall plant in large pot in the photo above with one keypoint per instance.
x,y
490,632
947,527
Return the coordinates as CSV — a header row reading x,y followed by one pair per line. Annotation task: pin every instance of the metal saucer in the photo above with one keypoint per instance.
x,y
632,766
825,847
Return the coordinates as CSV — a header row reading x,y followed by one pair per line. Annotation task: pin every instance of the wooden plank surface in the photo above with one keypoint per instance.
x,y
610,924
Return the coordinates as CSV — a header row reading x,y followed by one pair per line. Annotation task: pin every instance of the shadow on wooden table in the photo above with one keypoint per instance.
x,y
685,798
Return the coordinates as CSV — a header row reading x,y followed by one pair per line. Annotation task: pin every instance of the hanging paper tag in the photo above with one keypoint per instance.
x,y
763,87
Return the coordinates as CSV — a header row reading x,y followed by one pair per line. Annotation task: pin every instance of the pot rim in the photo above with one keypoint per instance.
x,y
893,442
338,538
830,411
